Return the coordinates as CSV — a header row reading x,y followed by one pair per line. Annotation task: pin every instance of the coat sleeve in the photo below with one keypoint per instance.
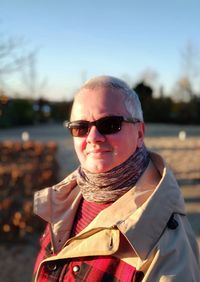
x,y
176,256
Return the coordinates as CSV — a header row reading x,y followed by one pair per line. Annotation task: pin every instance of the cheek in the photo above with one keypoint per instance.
x,y
117,144
79,146
122,146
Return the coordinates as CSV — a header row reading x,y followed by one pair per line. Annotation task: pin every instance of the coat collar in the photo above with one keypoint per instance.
x,y
141,214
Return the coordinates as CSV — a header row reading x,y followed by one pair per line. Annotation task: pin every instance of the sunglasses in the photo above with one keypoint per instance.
x,y
105,126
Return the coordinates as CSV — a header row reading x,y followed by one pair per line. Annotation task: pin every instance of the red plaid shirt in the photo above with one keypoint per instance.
x,y
90,269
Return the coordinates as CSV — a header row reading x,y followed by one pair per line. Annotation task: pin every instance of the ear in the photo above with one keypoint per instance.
x,y
141,131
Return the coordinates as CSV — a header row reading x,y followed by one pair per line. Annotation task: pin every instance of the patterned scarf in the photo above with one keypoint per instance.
x,y
109,186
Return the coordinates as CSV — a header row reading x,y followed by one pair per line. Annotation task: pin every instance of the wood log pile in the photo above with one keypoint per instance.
x,y
24,168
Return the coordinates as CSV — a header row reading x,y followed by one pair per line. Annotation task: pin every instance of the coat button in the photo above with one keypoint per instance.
x,y
51,266
76,268
139,275
172,223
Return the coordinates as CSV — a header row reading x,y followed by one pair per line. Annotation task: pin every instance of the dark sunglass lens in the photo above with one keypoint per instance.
x,y
79,130
109,125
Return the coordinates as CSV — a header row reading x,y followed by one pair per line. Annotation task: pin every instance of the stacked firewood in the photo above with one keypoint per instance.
x,y
24,168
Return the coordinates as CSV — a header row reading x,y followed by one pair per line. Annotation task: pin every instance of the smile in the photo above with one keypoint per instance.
x,y
97,152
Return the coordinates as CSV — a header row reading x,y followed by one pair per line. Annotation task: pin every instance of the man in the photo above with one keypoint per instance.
x,y
120,216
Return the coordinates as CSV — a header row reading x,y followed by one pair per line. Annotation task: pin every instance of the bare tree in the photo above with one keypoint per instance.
x,y
186,87
34,85
190,60
12,58
183,90
16,61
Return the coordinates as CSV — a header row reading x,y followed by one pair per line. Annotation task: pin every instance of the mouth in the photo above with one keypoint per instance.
x,y
98,152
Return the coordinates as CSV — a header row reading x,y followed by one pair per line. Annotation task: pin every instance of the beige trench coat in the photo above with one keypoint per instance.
x,y
163,249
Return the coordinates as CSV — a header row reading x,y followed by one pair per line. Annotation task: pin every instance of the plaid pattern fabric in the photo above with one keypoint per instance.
x,y
88,269
45,248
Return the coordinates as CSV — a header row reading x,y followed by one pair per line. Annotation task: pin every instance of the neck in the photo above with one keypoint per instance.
x,y
109,186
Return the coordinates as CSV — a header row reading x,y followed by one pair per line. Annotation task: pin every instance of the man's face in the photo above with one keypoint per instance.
x,y
100,153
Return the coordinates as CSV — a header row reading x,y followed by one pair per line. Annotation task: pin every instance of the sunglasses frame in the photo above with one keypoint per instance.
x,y
69,124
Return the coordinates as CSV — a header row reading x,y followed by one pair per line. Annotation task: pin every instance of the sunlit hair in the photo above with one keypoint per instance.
x,y
131,99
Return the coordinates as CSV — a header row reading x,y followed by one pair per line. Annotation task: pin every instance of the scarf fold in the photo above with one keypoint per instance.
x,y
109,186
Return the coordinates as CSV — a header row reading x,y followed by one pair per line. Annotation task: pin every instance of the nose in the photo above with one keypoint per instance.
x,y
94,135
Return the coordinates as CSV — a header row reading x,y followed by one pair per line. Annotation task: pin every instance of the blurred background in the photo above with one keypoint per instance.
x,y
47,50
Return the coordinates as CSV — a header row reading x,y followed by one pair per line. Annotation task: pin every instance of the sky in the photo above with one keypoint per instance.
x,y
76,40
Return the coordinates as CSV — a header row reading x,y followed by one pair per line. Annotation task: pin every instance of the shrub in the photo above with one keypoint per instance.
x,y
24,168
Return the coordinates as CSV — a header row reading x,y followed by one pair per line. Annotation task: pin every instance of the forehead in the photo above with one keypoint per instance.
x,y
98,102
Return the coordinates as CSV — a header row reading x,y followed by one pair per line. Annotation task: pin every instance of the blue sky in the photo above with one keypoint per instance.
x,y
80,39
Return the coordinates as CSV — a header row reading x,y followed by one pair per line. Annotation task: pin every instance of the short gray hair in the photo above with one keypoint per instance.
x,y
131,101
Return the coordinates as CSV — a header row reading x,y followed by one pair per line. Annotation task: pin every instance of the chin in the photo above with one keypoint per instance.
x,y
98,167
